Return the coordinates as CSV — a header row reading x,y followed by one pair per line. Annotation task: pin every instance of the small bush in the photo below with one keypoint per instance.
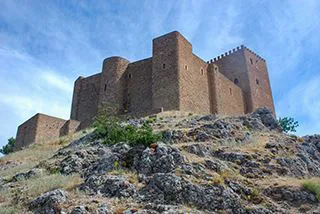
x,y
288,124
313,185
113,131
9,147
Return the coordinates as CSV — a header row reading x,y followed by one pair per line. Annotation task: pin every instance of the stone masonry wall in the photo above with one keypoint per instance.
x,y
233,66
139,87
259,83
48,128
85,102
165,77
41,128
227,98
26,133
194,89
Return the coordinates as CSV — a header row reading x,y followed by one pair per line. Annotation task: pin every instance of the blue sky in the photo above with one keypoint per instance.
x,y
46,45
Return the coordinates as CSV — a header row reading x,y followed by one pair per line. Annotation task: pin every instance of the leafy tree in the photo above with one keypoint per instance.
x,y
288,124
9,147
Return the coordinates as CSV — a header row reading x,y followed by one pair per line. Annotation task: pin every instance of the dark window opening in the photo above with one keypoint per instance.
x,y
163,66
236,81
186,67
215,68
230,91
257,81
105,87
201,71
129,76
251,61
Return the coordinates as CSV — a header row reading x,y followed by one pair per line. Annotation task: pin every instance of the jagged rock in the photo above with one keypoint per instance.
x,y
163,187
170,189
267,118
236,157
80,210
109,186
162,208
103,209
162,159
27,175
216,165
293,196
198,149
48,202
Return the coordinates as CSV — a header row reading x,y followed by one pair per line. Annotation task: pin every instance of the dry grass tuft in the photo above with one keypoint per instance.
x,y
313,185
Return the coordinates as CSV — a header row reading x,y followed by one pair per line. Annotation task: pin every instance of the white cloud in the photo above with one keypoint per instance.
x,y
57,81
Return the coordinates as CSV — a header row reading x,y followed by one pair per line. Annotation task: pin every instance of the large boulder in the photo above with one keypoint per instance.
x,y
159,159
109,186
48,202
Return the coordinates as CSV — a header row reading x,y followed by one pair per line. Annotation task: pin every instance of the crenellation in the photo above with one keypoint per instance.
x,y
173,78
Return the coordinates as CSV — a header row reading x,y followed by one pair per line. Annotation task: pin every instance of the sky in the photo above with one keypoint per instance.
x,y
45,45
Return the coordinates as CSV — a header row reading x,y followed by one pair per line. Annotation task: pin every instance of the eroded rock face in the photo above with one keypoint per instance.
x,y
203,165
167,188
109,186
293,196
163,159
49,202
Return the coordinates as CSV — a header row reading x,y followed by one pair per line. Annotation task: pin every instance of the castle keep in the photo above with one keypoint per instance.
x,y
174,78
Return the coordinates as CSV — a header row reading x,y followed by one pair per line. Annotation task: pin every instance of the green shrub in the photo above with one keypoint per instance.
x,y
288,124
112,131
313,185
9,147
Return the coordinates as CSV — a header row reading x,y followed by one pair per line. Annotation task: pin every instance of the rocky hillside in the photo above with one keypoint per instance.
x,y
204,164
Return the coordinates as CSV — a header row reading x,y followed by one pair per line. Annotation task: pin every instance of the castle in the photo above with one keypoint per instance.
x,y
174,78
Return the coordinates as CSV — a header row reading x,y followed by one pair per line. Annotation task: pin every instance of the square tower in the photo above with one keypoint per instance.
x,y
249,71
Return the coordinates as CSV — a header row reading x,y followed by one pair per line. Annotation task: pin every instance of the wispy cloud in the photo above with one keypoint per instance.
x,y
57,81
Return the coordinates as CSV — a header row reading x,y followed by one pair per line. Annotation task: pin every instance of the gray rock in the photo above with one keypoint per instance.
x,y
103,209
294,196
80,210
109,186
36,172
48,202
198,149
267,118
162,159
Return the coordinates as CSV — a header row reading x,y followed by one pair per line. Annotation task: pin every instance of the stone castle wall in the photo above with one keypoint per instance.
x,y
86,98
42,128
174,78
138,91
227,98
26,133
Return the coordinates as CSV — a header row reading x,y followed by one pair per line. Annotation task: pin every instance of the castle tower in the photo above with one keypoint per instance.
x,y
179,78
112,84
248,71
165,72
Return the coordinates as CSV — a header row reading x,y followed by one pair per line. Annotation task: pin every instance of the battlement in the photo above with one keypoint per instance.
x,y
233,51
